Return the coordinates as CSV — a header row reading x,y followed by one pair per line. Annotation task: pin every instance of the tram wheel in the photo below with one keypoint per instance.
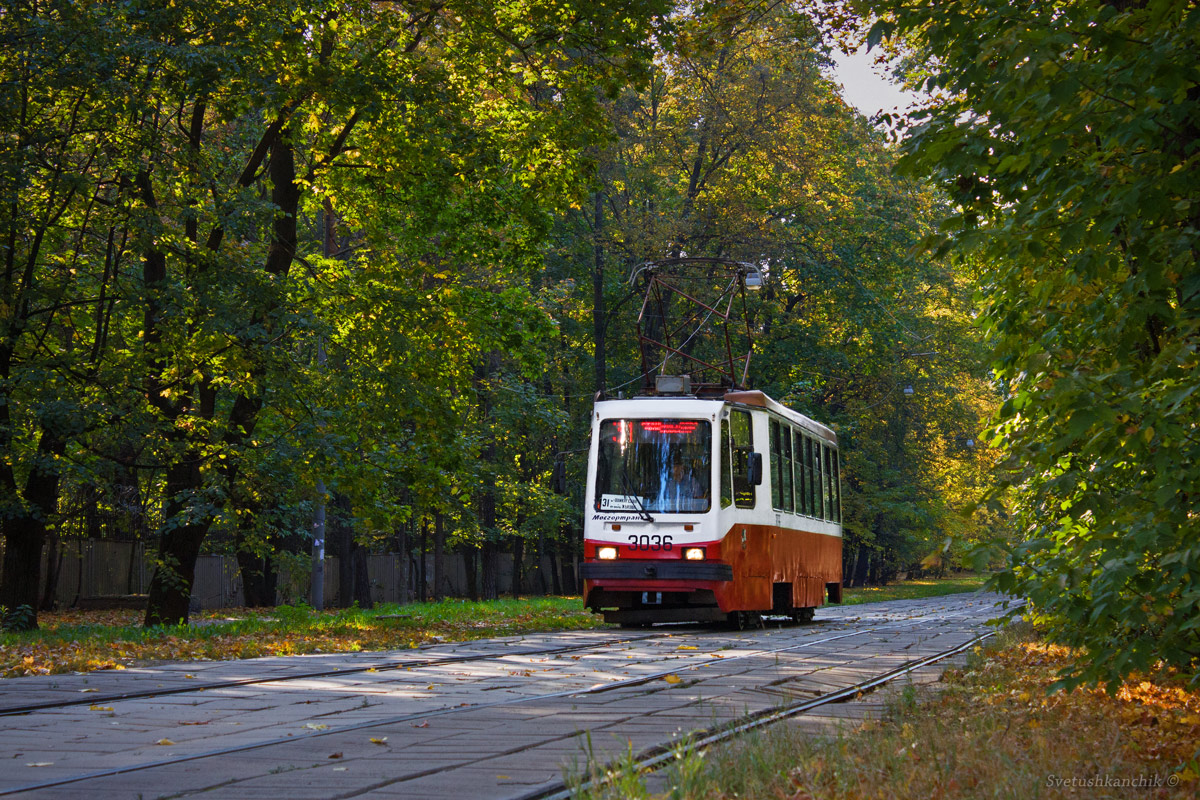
x,y
744,620
803,615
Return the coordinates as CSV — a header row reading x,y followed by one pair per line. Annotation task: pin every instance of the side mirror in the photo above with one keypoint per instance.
x,y
754,469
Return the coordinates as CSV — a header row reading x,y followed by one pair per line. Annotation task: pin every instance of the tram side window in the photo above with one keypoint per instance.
x,y
741,441
776,466
827,481
726,471
786,471
800,470
831,506
837,488
818,482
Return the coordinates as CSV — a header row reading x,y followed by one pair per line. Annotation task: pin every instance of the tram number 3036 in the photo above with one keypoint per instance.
x,y
650,542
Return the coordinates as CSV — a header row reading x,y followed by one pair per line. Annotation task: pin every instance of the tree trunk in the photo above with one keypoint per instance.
x,y
23,539
402,555
25,536
540,557
258,572
53,563
439,555
862,568
422,565
259,581
178,546
361,584
490,556
555,572
518,583
340,538
469,557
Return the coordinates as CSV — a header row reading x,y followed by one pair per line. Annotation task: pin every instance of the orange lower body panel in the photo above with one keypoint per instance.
x,y
760,557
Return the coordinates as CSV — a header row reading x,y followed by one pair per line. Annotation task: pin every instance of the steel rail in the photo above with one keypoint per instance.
x,y
445,710
596,689
395,664
655,757
377,667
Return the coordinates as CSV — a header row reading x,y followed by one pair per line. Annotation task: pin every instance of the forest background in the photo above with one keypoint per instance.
x,y
372,260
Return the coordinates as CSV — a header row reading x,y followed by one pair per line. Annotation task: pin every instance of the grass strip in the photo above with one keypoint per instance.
x,y
72,641
914,589
82,641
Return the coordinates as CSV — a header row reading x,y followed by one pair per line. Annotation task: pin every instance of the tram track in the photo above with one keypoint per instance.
x,y
400,664
655,758
425,715
381,666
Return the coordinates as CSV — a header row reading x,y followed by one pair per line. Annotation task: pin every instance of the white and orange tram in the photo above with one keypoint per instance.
x,y
704,509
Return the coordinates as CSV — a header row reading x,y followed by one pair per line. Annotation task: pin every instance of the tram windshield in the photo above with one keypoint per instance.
x,y
654,465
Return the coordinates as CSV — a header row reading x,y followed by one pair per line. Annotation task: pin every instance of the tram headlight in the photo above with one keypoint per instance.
x,y
693,553
606,553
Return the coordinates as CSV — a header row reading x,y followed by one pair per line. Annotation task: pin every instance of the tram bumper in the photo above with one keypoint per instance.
x,y
684,571
643,592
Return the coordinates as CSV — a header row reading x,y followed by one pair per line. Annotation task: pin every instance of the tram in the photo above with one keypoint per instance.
x,y
710,508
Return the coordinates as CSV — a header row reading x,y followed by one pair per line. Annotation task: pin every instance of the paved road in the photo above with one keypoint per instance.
x,y
491,719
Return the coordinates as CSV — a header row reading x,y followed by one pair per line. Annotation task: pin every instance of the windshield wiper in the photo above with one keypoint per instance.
x,y
625,482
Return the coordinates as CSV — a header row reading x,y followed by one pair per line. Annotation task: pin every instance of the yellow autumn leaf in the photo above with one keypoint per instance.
x,y
687,647
85,691
99,708
382,740
502,778
164,741
672,679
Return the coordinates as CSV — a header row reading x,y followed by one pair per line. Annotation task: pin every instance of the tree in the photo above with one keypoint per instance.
x,y
1067,138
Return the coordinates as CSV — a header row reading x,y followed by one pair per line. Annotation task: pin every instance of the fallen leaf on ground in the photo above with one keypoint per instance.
x,y
424,724
687,647
672,678
335,755
316,726
100,708
164,741
85,691
382,740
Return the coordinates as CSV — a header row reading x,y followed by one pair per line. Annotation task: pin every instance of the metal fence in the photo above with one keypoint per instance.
x,y
91,570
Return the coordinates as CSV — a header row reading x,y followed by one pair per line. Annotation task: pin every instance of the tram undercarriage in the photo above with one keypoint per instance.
x,y
640,607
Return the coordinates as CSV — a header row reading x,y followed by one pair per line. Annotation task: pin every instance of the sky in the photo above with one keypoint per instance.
x,y
865,85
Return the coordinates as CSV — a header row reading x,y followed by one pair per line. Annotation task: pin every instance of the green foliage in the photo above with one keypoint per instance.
x,y
1068,141
739,146
250,251
21,618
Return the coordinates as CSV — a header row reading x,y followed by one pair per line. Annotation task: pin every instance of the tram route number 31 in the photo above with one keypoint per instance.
x,y
649,542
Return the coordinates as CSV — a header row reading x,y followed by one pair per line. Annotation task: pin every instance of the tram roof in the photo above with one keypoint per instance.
x,y
680,404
